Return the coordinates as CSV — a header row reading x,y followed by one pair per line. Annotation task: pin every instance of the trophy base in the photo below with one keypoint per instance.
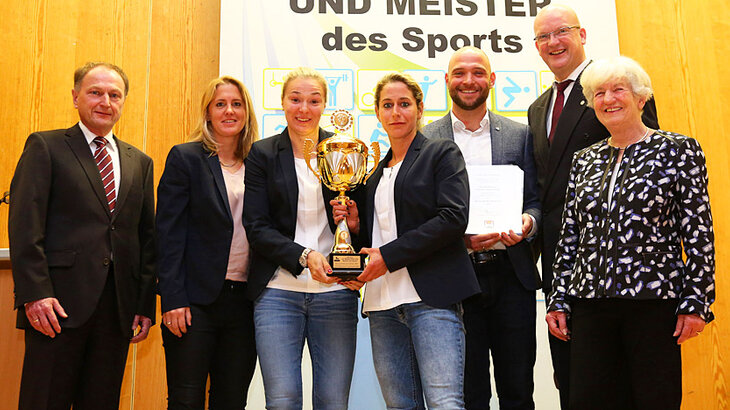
x,y
347,266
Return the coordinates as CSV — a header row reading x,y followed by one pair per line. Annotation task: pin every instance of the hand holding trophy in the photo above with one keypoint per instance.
x,y
342,162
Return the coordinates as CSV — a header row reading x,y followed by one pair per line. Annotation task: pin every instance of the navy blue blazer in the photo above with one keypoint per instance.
x,y
511,145
270,209
431,197
194,228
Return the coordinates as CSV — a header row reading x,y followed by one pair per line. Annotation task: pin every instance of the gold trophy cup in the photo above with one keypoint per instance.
x,y
342,161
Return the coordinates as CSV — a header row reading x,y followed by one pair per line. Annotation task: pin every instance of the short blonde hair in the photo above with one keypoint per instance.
x,y
616,68
203,131
305,72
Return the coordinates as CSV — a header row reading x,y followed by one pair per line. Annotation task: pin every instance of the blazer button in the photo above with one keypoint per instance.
x,y
113,228
106,261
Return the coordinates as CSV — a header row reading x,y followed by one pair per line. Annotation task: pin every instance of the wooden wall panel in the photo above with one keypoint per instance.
x,y
169,50
683,45
11,345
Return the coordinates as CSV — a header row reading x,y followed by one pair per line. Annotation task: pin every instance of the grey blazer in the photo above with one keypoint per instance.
x,y
511,145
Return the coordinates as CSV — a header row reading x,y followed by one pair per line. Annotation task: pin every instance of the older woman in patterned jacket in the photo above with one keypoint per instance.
x,y
634,202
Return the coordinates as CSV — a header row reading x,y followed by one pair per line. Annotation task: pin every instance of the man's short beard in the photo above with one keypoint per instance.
x,y
468,107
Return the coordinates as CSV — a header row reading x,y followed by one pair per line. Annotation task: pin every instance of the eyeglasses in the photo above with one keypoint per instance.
x,y
559,33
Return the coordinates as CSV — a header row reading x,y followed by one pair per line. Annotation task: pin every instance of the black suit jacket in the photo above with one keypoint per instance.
x,y
270,209
194,227
63,237
577,128
511,145
431,197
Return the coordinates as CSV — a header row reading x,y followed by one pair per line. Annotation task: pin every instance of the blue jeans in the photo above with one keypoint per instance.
x,y
328,322
419,349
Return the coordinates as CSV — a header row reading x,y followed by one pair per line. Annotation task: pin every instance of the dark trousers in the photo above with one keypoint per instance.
x,y
560,355
220,343
500,321
624,355
82,367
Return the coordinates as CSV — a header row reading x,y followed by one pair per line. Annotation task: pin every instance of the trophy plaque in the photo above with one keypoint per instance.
x,y
342,162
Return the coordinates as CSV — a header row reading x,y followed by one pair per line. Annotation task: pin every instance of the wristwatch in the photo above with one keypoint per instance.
x,y
303,257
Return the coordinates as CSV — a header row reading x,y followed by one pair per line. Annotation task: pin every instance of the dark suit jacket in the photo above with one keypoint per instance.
x,y
511,145
194,228
270,209
63,237
577,128
431,208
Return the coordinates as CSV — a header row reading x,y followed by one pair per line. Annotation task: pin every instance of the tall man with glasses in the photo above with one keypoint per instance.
x,y
81,244
562,123
500,321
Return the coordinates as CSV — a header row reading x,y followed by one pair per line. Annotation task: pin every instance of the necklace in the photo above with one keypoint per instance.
x,y
646,134
223,164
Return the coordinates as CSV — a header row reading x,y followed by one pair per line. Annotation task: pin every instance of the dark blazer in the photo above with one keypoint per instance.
x,y
432,209
270,209
511,145
577,128
194,227
63,237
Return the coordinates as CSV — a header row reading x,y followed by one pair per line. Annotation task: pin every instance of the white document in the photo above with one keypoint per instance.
x,y
495,200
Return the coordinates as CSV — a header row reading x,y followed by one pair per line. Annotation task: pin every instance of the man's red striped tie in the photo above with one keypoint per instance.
x,y
106,169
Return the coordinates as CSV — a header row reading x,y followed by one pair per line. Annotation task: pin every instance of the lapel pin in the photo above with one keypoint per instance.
x,y
583,102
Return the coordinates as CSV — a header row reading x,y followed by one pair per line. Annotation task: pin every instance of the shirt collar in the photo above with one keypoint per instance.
x,y
574,75
90,137
458,126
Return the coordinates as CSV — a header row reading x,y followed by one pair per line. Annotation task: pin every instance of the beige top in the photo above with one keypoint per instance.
x,y
239,254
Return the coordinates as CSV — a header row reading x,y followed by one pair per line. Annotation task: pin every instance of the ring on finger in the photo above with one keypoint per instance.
x,y
36,320
168,323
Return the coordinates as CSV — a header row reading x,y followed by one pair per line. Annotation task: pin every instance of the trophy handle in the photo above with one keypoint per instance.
x,y
308,145
375,148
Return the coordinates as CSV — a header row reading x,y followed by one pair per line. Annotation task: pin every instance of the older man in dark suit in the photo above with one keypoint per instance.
x,y
500,320
562,124
81,243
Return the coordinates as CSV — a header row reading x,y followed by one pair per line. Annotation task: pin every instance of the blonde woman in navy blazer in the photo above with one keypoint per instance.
x,y
203,255
287,217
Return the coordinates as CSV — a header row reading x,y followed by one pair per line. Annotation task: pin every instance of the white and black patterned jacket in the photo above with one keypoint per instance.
x,y
632,249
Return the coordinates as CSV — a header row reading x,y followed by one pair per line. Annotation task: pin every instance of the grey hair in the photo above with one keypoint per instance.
x,y
616,68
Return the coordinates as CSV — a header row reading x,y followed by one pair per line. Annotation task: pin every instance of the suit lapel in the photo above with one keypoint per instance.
x,y
288,170
411,155
445,129
220,183
569,118
495,134
372,186
542,104
77,142
126,176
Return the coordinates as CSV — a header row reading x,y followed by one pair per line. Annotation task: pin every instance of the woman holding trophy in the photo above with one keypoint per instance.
x,y
288,222
413,220
203,255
